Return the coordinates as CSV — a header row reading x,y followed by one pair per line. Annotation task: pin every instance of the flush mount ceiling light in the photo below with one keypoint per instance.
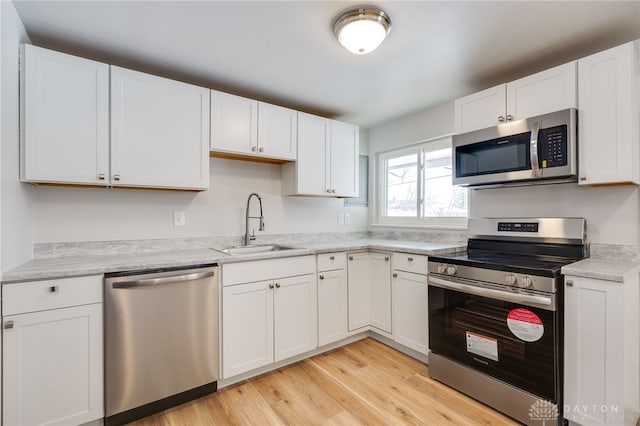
x,y
361,30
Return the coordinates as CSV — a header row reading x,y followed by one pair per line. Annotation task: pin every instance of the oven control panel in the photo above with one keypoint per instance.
x,y
518,227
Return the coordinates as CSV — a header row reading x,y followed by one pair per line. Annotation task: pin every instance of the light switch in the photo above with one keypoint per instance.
x,y
340,218
179,219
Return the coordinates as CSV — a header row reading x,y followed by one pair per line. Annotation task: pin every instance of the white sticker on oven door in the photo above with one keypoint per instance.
x,y
482,345
525,325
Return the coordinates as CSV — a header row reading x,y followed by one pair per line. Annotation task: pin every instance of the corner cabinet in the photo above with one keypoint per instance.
x,y
247,129
52,352
608,116
86,123
64,118
327,163
547,91
601,356
159,132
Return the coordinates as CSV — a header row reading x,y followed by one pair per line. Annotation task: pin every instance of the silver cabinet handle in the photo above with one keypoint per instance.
x,y
270,285
501,119
386,258
53,289
410,259
350,257
116,177
277,285
395,275
8,325
535,165
163,280
101,176
332,258
509,117
254,148
321,277
333,191
583,177
569,283
329,191
261,149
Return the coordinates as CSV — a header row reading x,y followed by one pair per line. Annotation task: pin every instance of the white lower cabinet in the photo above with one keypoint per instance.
x,y
52,353
270,320
601,356
410,310
369,283
333,321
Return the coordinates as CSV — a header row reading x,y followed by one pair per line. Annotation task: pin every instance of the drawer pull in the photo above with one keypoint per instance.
x,y
53,289
332,258
410,259
8,325
322,277
569,283
395,275
350,257
277,285
386,258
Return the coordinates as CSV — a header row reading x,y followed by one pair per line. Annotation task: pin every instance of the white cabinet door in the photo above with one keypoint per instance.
x,y
380,282
295,316
608,116
541,93
344,159
332,306
65,114
312,168
480,110
358,274
277,131
594,356
53,366
159,132
247,327
234,123
410,310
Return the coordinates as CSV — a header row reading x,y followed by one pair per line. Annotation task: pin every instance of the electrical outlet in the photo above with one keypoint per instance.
x,y
179,219
347,218
340,218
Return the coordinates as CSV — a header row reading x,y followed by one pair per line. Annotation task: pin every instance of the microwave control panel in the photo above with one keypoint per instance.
x,y
552,143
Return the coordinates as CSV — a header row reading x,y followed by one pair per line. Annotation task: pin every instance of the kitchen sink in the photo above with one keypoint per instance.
x,y
258,248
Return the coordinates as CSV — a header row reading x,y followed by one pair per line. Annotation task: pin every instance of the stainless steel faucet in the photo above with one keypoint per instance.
x,y
252,237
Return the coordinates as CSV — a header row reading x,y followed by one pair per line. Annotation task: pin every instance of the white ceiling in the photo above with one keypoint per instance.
x,y
285,52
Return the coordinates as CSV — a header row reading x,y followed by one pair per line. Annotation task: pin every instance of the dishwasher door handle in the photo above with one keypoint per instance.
x,y
163,280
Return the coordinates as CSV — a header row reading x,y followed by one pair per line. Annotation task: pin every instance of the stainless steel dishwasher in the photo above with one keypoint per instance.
x,y
161,340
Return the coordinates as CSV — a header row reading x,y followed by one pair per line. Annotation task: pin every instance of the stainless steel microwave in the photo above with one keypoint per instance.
x,y
535,150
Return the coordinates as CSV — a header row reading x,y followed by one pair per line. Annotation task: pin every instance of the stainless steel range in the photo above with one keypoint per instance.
x,y
496,314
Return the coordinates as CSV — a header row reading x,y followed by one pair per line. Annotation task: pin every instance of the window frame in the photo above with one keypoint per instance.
x,y
420,148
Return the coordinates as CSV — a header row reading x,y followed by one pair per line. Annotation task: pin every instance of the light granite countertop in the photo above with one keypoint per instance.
x,y
602,269
69,266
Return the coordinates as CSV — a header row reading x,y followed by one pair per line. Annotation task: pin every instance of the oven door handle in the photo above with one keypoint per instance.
x,y
544,302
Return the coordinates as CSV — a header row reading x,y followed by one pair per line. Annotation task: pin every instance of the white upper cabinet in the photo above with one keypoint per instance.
x,y
608,119
65,118
541,93
234,123
159,132
242,127
327,162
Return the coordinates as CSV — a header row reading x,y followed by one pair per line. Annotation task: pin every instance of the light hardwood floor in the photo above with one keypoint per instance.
x,y
364,383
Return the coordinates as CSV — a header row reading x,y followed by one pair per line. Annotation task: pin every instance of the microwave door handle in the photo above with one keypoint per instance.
x,y
535,164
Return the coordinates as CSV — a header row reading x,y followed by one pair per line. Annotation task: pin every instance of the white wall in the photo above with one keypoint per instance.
x,y
89,214
16,209
611,212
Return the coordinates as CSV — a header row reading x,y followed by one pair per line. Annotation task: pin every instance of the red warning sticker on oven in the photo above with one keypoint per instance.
x,y
525,324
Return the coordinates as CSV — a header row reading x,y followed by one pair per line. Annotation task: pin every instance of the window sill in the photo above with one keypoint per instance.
x,y
406,225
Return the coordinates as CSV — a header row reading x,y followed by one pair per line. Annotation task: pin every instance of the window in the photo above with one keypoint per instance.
x,y
415,186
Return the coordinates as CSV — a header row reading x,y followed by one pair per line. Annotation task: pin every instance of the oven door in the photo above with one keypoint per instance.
x,y
514,341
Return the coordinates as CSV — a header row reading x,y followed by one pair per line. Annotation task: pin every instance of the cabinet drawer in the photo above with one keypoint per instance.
x,y
332,261
415,263
34,296
260,270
